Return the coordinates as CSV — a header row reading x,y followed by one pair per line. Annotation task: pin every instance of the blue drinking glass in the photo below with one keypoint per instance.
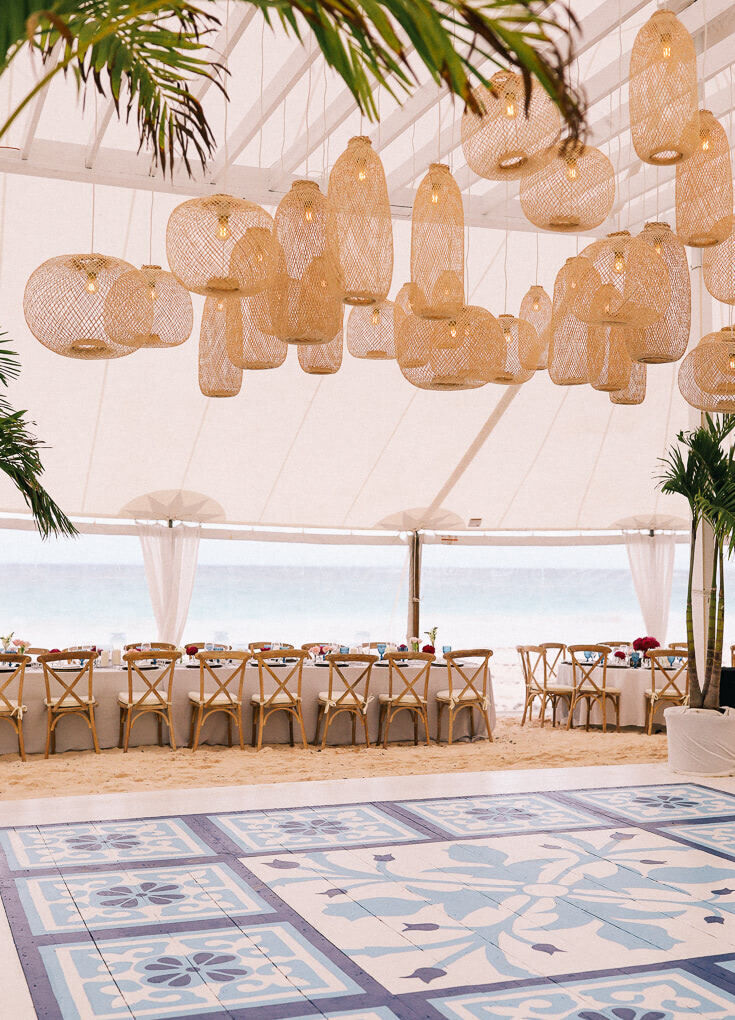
x,y
381,649
344,650
588,656
672,659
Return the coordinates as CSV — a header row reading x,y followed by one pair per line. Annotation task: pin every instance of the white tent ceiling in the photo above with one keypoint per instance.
x,y
362,447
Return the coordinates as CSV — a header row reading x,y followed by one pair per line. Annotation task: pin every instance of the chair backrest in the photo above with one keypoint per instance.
x,y
533,663
415,689
283,682
555,652
151,644
583,670
670,679
153,683
36,651
70,686
469,680
17,668
614,644
347,689
317,644
685,645
79,648
195,644
226,683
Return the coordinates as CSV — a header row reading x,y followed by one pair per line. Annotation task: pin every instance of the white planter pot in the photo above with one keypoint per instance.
x,y
701,742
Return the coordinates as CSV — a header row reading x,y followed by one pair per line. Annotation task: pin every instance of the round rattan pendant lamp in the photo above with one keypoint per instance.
x,y
627,283
718,269
536,308
663,91
322,359
707,374
521,351
249,347
667,339
371,331
460,353
704,188
572,192
502,141
64,305
609,364
220,245
359,223
221,321
437,246
152,298
635,391
567,358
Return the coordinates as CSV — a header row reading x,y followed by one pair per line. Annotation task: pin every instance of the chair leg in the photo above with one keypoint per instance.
x,y
159,726
471,710
387,719
487,726
304,741
425,719
451,725
604,713
572,707
171,734
542,710
354,724
525,710
255,724
290,728
93,727
589,709
198,728
21,744
365,727
53,734
327,721
238,720
122,727
617,714
128,727
415,728
319,714
439,713
381,722
260,727
649,717
229,730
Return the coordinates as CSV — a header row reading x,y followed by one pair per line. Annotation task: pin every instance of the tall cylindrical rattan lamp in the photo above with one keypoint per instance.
x,y
635,391
536,308
221,320
718,269
704,188
608,363
567,359
437,246
574,191
249,347
667,339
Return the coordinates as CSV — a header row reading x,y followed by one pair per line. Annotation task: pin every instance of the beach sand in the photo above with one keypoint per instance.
x,y
75,773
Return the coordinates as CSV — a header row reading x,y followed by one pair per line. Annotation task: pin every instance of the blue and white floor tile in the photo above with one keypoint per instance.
x,y
597,901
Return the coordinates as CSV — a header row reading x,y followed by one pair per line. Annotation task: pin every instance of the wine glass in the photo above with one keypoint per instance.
x,y
671,659
588,656
446,649
381,646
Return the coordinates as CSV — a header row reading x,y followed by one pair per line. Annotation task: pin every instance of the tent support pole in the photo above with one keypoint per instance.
x,y
414,584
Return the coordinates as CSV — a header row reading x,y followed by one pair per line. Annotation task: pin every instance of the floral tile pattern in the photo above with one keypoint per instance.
x,y
303,828
584,905
485,816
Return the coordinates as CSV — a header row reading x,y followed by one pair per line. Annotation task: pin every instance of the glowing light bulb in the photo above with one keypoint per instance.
x,y
619,264
308,212
732,362
572,170
666,46
152,292
510,106
223,228
453,330
361,173
704,139
375,317
435,194
535,306
657,247
220,306
91,284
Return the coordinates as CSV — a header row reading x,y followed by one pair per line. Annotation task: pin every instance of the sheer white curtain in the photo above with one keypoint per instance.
x,y
651,559
170,558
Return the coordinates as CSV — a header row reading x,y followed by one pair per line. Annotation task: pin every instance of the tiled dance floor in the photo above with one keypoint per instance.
x,y
613,903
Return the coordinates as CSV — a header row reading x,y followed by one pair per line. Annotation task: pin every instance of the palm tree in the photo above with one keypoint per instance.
x,y
20,460
701,470
151,51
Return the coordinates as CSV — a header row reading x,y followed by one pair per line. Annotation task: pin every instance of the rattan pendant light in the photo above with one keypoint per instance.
x,y
704,188
536,308
627,283
520,352
452,354
609,364
663,91
667,339
220,245
359,223
707,374
371,331
635,391
248,346
718,269
64,304
322,359
149,308
567,359
503,142
221,321
437,246
572,192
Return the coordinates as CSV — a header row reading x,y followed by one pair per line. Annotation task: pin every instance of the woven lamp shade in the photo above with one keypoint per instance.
x,y
567,358
519,353
635,391
502,142
609,364
627,283
456,354
322,359
149,308
220,245
718,268
359,223
371,331
64,303
573,191
437,246
247,345
663,91
221,319
704,188
536,308
707,374
667,339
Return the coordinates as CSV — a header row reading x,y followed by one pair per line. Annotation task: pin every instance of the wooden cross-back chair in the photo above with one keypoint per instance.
x,y
265,646
284,694
685,646
614,644
468,689
150,692
406,693
591,687
226,696
669,683
12,708
347,693
77,692
555,651
164,645
533,667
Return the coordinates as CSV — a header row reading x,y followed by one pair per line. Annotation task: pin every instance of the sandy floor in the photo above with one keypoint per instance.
x,y
154,768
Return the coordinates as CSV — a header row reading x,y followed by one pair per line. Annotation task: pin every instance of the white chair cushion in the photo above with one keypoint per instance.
x,y
468,696
344,699
219,699
396,699
13,710
70,702
280,699
558,689
150,702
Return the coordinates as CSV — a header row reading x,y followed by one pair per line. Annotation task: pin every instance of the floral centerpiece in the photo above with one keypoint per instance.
x,y
6,640
191,649
620,655
429,648
20,646
645,644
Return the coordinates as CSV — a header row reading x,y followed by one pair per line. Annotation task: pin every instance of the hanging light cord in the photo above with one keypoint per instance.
x,y
227,67
308,104
94,186
505,273
150,232
262,73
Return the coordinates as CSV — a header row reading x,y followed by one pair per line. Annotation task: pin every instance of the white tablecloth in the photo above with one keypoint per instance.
x,y
632,684
73,733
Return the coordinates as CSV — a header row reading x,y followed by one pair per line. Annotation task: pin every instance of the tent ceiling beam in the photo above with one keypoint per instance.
x,y
225,42
29,135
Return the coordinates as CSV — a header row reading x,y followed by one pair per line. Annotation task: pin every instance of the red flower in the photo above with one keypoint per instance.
x,y
620,655
645,644
428,648
191,649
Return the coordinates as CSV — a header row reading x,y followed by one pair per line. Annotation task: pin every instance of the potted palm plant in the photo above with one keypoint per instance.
x,y
700,466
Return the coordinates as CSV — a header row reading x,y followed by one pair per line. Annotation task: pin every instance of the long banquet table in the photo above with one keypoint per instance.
x,y
74,735
632,684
